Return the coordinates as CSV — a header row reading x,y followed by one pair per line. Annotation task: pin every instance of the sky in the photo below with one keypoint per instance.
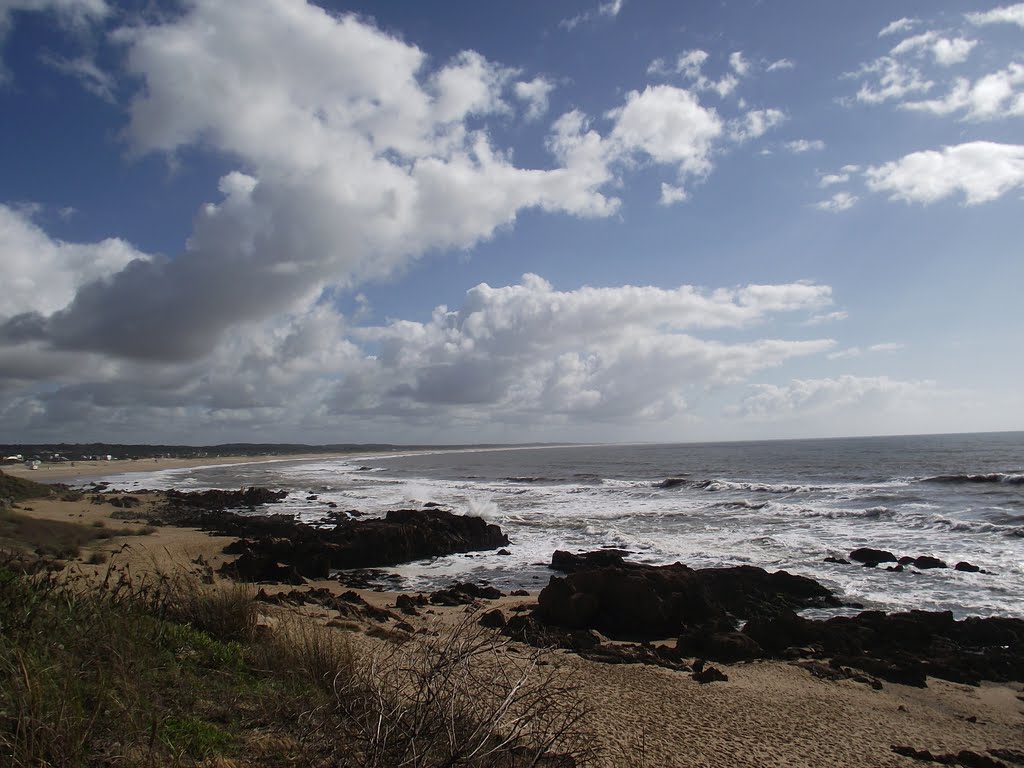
x,y
408,222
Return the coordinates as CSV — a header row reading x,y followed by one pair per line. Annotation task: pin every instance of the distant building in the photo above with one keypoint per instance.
x,y
33,464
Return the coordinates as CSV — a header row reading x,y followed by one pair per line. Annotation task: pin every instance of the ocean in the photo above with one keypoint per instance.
x,y
774,504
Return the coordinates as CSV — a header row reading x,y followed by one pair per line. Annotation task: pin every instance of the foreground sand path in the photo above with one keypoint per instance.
x,y
767,714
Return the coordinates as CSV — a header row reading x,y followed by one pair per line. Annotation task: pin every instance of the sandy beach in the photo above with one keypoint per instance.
x,y
766,714
80,471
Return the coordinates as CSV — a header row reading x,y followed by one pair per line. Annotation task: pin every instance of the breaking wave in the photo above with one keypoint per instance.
x,y
987,477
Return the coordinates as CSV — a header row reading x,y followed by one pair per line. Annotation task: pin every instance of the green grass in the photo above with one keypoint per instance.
x,y
196,738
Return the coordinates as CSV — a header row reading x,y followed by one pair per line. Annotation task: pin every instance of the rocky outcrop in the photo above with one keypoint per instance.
x,y
348,604
869,556
463,593
629,600
401,536
703,608
221,500
902,647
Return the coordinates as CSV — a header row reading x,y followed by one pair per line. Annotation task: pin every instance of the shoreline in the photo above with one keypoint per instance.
x,y
71,472
97,469
768,713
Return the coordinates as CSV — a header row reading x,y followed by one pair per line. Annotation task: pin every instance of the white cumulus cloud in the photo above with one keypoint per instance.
x,y
534,93
800,146
899,25
981,170
1007,14
755,124
945,51
42,274
669,125
819,396
990,97
840,201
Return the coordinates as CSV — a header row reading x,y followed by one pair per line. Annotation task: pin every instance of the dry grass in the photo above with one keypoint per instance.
x,y
461,699
168,670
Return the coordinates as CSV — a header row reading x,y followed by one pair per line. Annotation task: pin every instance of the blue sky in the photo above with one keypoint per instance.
x,y
475,222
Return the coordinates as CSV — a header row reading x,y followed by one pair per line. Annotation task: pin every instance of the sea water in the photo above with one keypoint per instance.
x,y
774,504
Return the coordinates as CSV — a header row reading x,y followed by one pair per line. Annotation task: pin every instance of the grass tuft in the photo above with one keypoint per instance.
x,y
171,671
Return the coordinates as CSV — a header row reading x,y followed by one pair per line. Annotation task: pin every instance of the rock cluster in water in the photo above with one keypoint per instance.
x,y
703,610
278,548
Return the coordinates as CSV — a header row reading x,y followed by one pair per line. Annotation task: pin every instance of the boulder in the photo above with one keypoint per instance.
x,y
463,593
641,601
870,556
710,675
402,536
494,619
257,569
924,562
727,647
567,562
963,565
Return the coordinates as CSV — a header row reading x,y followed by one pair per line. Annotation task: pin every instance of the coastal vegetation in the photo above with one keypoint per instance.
x,y
176,667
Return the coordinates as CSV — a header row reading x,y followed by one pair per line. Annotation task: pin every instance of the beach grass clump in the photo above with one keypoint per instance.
x,y
460,698
17,489
55,538
170,670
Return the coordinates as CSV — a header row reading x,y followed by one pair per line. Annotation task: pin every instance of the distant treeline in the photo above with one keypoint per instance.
x,y
79,451
82,451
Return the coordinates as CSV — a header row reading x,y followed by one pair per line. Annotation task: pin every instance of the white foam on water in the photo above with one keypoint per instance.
x,y
791,526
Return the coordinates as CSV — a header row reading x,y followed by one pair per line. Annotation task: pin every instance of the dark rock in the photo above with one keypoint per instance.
x,y
125,502
331,505
726,647
368,578
312,497
963,565
408,604
964,757
914,754
671,482
402,536
924,561
463,593
504,552
494,619
834,672
837,560
710,675
635,653
519,593
350,605
780,633
870,556
701,608
641,601
221,500
896,568
970,759
907,672
1012,755
906,560
566,562
257,569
